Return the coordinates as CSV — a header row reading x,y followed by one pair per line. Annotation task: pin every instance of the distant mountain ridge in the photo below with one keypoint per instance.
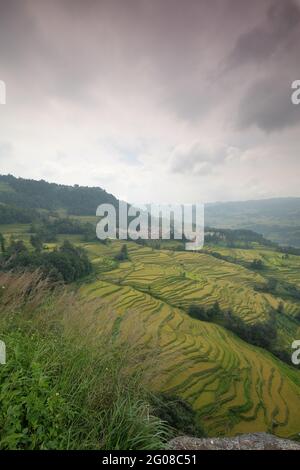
x,y
277,219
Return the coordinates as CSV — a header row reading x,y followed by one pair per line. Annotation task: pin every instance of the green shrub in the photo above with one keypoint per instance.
x,y
68,263
123,255
177,413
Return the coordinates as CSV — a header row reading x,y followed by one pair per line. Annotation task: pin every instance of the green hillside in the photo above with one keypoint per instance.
x,y
31,194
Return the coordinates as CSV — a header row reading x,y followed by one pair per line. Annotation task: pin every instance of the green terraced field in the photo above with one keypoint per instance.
x,y
234,387
275,263
285,270
181,279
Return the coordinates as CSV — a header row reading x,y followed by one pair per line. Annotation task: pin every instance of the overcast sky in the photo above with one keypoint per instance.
x,y
153,100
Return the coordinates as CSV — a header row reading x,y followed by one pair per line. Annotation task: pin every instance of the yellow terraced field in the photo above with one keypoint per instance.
x,y
233,386
182,279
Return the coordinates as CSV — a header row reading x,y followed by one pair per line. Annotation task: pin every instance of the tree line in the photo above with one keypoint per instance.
x,y
260,334
31,194
64,264
48,229
14,215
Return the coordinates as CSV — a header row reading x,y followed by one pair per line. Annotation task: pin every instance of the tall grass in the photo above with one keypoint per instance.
x,y
66,385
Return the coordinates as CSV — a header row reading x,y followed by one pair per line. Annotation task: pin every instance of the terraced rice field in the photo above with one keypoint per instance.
x,y
181,279
284,270
276,264
233,386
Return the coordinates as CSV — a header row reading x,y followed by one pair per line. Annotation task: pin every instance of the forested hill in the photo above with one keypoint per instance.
x,y
31,194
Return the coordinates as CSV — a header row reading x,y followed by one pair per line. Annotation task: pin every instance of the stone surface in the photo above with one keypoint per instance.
x,y
255,441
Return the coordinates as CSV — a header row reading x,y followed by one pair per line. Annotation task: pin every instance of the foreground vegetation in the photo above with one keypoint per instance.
x,y
66,385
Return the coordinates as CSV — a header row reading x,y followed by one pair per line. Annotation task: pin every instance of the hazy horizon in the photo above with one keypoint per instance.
x,y
153,101
129,201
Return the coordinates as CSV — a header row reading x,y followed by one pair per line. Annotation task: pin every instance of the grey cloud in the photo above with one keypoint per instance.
x,y
70,52
100,48
191,100
196,160
124,70
267,104
262,41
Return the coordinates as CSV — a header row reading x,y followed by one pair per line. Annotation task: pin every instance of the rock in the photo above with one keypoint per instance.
x,y
255,441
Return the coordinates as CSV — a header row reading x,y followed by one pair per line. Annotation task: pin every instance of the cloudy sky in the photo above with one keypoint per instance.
x,y
153,100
